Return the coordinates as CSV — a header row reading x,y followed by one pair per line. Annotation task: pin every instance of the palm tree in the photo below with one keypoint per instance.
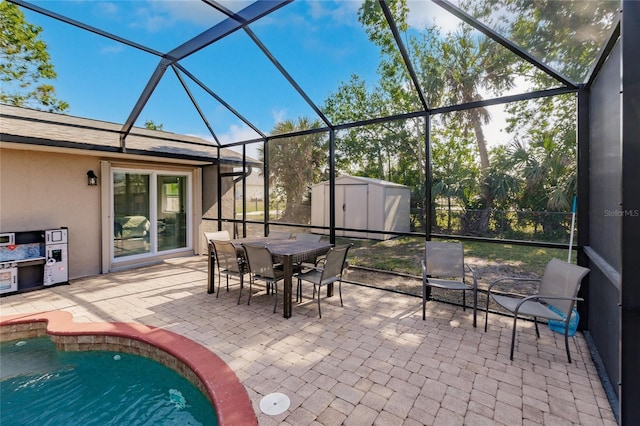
x,y
470,65
455,68
295,163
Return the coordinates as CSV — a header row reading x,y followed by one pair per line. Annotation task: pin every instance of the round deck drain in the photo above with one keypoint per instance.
x,y
274,404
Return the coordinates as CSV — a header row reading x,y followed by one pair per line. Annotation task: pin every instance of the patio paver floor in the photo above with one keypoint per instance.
x,y
375,361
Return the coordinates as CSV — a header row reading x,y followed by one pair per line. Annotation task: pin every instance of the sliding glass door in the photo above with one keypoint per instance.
x,y
150,211
171,214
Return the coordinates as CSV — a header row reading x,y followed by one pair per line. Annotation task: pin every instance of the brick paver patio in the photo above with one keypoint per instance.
x,y
375,361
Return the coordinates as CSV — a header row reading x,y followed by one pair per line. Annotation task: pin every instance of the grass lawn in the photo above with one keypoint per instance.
x,y
404,255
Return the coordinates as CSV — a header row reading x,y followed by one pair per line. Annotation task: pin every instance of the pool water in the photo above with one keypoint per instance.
x,y
40,385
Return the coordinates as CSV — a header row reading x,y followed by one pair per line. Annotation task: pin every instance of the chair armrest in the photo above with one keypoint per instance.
x,y
537,297
473,275
502,279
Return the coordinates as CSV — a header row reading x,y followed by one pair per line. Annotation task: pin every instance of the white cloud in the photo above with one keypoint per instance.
x,y
107,8
425,13
279,115
155,15
236,133
111,49
342,12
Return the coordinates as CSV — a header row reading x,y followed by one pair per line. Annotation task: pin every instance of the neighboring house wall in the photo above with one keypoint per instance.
x,y
43,190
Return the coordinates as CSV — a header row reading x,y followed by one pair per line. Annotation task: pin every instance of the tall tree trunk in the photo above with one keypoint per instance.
x,y
483,223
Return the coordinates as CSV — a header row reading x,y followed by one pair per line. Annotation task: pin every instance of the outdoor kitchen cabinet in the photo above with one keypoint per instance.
x,y
33,260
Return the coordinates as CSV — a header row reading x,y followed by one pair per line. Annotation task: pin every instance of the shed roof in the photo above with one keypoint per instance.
x,y
364,180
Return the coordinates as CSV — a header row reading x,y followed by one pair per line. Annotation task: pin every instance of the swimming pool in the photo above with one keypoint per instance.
x,y
198,364
41,385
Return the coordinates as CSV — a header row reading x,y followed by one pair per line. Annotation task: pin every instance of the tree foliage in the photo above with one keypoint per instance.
x,y
151,125
536,170
25,64
295,163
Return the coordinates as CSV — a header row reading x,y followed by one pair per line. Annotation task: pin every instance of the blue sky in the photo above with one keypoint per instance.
x,y
320,43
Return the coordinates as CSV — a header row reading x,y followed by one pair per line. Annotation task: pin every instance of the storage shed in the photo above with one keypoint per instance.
x,y
362,203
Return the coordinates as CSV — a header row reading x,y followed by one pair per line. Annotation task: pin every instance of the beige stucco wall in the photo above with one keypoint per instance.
x,y
210,202
40,190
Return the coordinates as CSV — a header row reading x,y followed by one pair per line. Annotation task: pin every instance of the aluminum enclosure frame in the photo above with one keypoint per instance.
x,y
627,30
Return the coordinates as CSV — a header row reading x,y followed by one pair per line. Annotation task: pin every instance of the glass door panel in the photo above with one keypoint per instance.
x,y
132,218
171,212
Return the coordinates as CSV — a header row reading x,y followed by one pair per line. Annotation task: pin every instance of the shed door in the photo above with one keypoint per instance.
x,y
351,208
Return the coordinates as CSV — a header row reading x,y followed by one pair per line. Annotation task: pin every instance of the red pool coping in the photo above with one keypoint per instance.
x,y
230,398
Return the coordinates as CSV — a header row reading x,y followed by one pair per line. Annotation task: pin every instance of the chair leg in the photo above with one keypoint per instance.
x,y
340,291
424,302
250,291
535,322
275,304
513,335
464,300
566,344
319,290
299,291
241,285
475,307
486,314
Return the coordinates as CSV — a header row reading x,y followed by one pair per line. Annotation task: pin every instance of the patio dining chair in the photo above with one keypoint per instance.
x,y
554,300
328,270
210,237
313,238
261,266
230,263
443,267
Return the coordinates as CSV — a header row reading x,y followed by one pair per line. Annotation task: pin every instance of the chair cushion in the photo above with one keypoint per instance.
x,y
534,309
447,284
311,276
277,273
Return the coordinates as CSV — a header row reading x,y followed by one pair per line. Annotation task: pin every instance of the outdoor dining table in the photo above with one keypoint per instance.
x,y
288,253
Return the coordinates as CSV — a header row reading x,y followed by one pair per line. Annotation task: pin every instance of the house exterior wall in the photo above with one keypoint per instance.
x,y
210,203
43,190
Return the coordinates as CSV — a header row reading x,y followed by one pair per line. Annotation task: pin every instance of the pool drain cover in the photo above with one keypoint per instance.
x,y
274,404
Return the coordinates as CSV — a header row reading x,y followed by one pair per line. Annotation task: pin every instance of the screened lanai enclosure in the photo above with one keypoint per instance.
x,y
509,122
